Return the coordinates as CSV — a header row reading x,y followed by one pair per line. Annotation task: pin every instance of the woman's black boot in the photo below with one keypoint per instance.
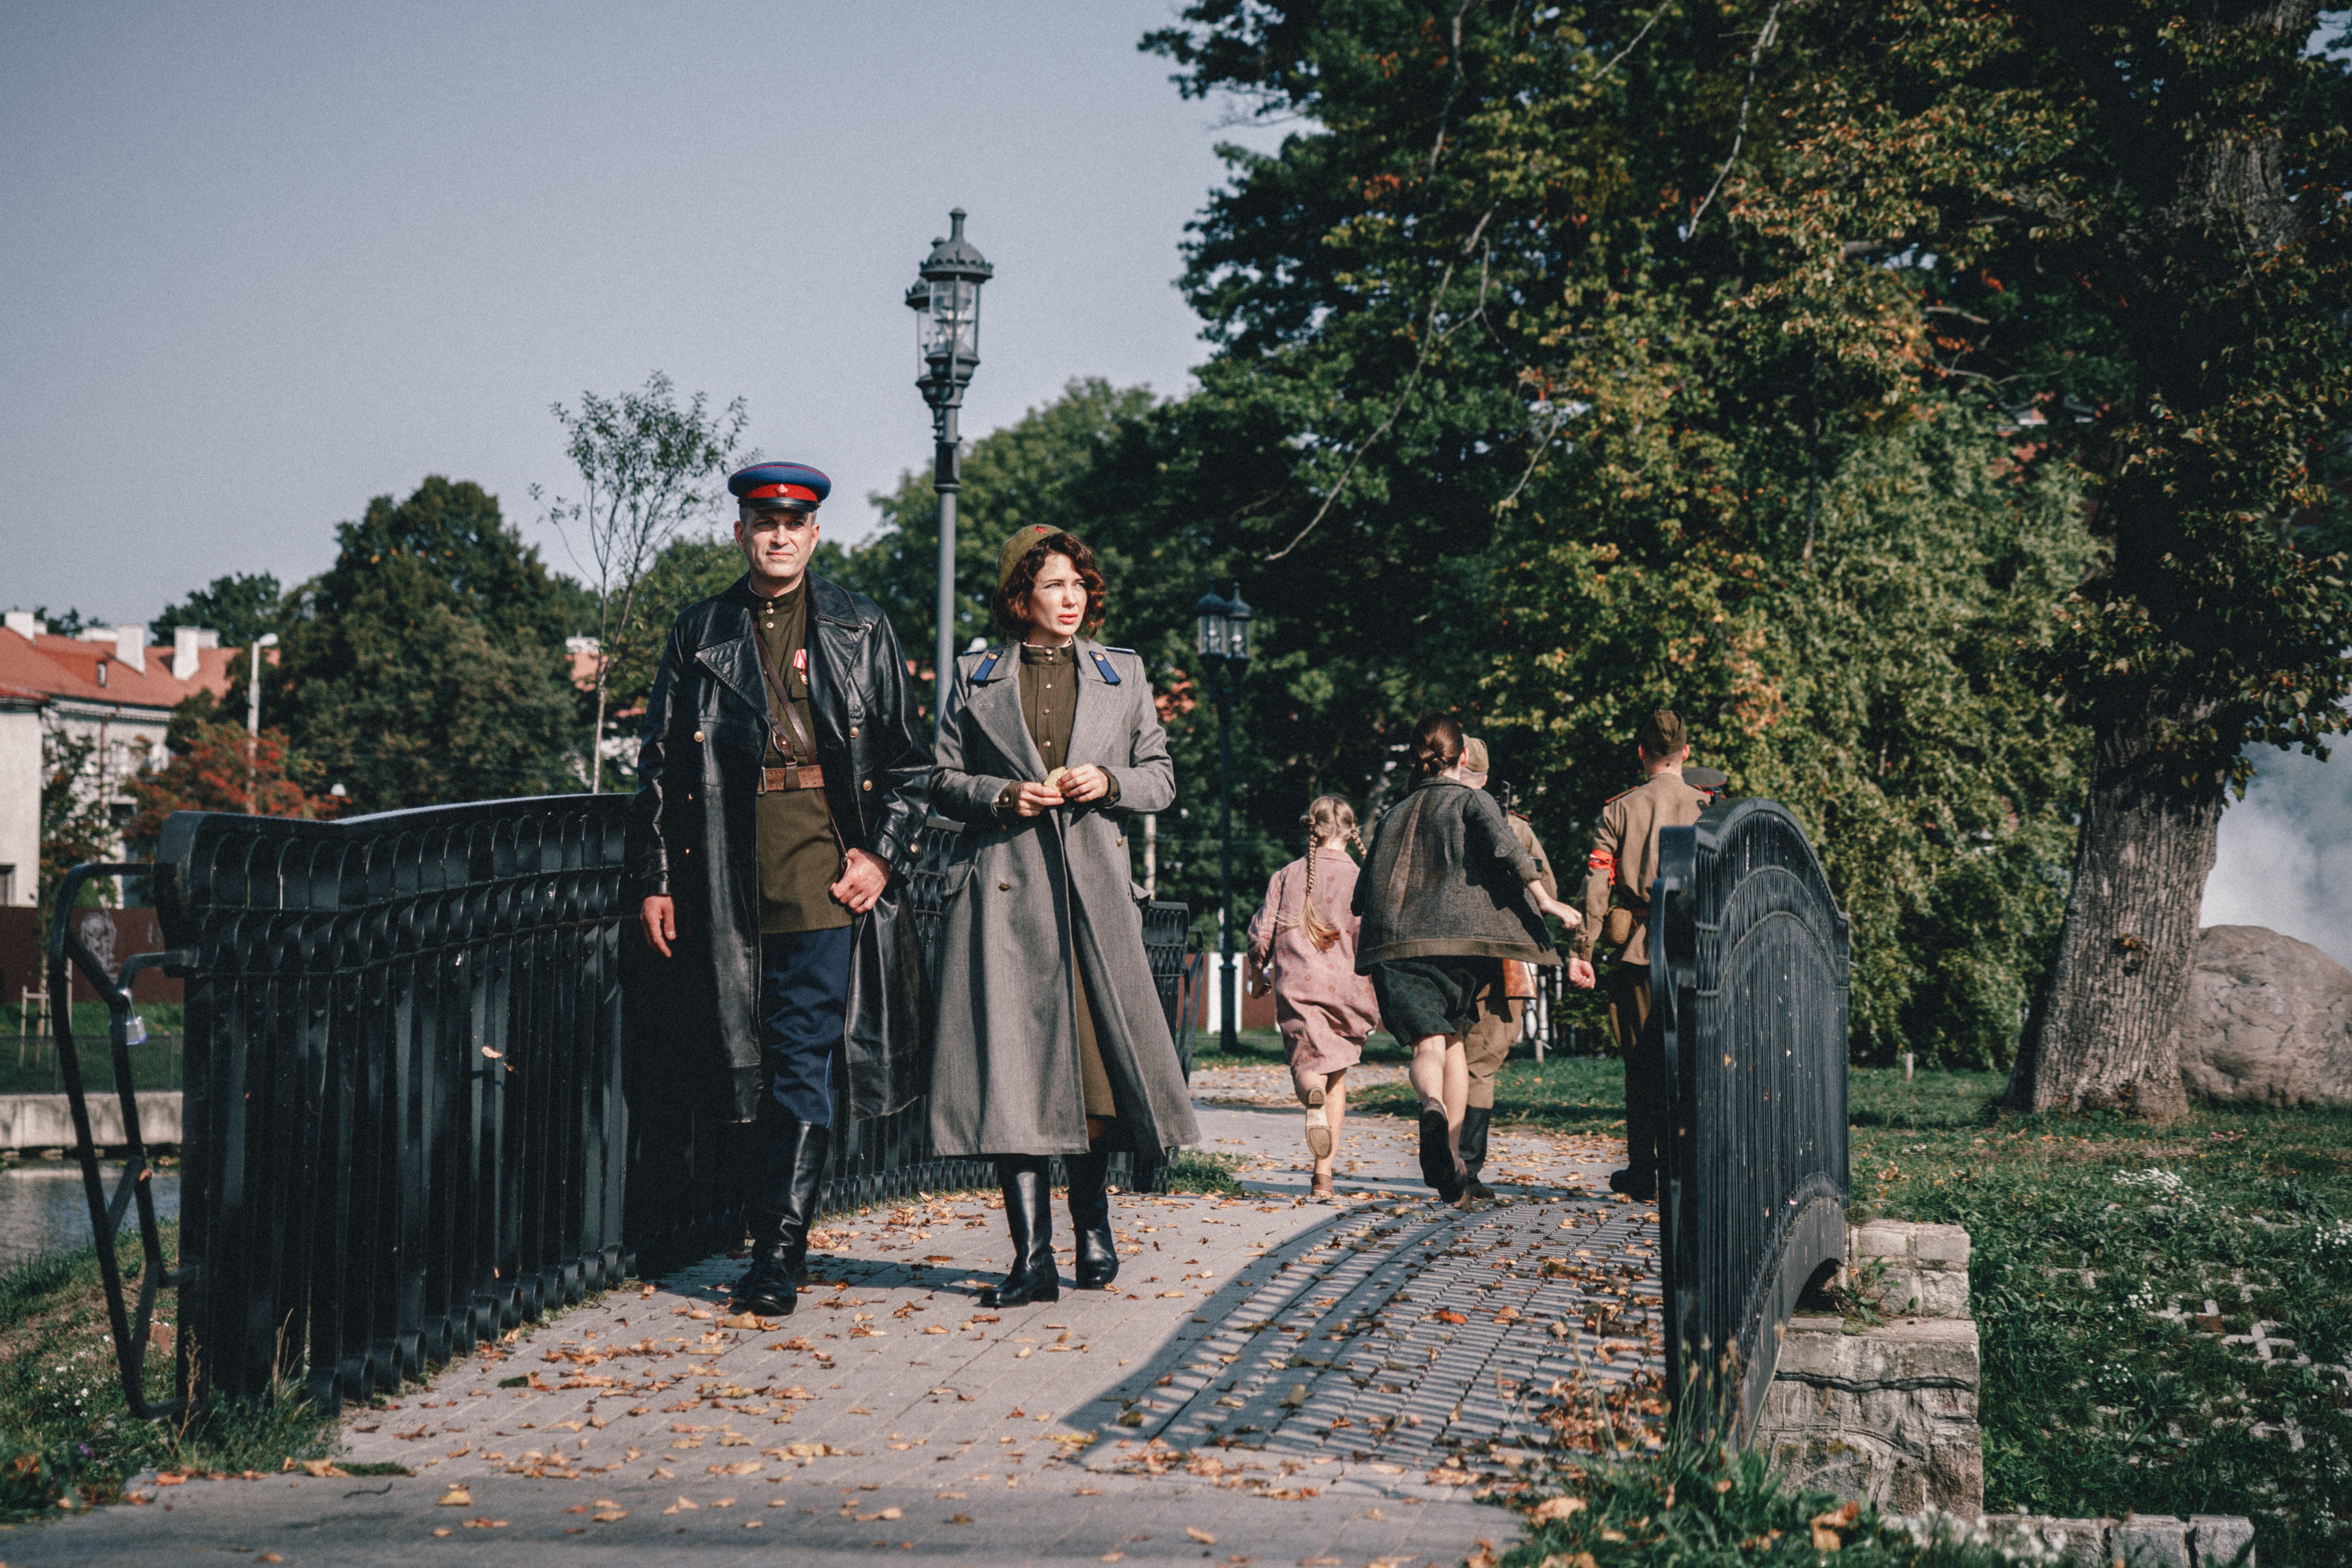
x,y
1089,1176
780,1226
1029,1215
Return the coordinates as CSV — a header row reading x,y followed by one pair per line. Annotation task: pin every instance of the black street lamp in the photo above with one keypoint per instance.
x,y
1225,643
947,342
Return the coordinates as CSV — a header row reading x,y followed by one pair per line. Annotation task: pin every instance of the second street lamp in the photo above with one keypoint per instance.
x,y
947,342
1224,629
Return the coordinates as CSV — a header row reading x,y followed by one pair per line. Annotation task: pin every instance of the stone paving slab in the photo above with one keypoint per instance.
x,y
1272,1371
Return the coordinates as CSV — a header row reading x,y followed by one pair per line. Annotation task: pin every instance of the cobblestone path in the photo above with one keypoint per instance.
x,y
1276,1380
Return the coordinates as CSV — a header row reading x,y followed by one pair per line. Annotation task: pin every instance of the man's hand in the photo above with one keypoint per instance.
x,y
1085,784
1580,972
660,914
1029,799
862,881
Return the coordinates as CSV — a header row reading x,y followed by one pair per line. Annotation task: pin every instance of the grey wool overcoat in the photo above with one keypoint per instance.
x,y
1030,902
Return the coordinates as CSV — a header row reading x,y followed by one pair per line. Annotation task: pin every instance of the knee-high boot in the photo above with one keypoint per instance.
x,y
1029,1215
796,1151
1089,1176
1471,1141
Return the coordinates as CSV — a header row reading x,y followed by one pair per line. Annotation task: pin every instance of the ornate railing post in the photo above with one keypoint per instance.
x,y
1749,981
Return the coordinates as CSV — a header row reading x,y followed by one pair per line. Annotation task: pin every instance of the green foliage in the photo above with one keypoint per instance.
x,y
64,622
240,606
1507,417
427,664
646,469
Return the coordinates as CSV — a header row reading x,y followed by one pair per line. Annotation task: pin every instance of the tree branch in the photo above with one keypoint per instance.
x,y
1755,58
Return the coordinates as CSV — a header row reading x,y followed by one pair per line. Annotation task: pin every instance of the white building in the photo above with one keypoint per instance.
x,y
107,686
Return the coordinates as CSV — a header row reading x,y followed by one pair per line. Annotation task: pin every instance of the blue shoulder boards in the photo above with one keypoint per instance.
x,y
988,665
1102,666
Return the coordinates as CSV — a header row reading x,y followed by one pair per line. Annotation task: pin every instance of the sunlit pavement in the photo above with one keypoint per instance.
x,y
1276,1380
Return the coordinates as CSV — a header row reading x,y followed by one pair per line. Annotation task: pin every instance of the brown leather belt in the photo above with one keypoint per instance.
x,y
811,777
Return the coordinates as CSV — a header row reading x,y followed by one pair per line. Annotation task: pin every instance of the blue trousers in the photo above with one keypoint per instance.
x,y
803,992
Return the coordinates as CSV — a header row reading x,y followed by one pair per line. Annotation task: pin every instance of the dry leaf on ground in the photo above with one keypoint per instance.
x,y
1203,1536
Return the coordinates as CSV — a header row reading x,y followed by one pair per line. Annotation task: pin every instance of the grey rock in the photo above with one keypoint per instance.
x,y
2152,1541
1888,1414
2217,1539
2267,1021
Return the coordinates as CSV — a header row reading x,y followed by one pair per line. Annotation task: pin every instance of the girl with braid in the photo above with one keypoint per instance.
x,y
1303,939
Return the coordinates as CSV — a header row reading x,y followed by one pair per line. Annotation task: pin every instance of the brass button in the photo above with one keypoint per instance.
x,y
1122,838
853,732
697,735
1004,887
867,785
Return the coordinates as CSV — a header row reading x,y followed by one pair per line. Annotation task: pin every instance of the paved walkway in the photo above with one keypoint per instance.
x,y
1277,1380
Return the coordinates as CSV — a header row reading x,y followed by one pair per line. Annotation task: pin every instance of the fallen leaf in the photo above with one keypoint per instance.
x,y
681,1505
1448,1316
324,1467
455,1497
269,1557
459,1452
958,1519
1203,1536
1556,1508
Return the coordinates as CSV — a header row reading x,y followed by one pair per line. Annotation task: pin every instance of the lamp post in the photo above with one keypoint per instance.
x,y
253,722
947,344
1225,642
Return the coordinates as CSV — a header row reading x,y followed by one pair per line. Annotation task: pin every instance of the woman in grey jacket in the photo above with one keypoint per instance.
x,y
1051,1040
1447,893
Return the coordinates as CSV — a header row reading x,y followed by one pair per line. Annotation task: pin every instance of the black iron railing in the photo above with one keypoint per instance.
x,y
421,1103
1752,993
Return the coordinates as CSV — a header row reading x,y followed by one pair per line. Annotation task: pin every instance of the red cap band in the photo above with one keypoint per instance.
x,y
782,492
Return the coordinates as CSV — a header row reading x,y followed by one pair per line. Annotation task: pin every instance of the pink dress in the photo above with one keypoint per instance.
x,y
1323,1009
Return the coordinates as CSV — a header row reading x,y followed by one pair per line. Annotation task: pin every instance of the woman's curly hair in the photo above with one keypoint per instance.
x,y
1013,600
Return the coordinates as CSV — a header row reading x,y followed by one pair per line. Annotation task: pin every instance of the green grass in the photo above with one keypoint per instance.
x,y
28,1063
1201,1171
1571,1094
1697,1507
2081,1226
68,1439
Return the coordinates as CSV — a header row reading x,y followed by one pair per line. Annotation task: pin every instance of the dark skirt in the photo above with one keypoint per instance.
x,y
1423,996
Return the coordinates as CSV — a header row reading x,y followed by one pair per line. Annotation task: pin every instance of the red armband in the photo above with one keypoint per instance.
x,y
1601,860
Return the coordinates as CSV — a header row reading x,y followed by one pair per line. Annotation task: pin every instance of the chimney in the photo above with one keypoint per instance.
x,y
186,641
24,624
130,647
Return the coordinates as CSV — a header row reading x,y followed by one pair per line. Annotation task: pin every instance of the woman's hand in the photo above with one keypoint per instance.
x,y
1029,799
1082,785
1553,907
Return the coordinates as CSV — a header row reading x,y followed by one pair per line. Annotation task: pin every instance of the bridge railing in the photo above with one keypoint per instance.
x,y
426,1097
1749,975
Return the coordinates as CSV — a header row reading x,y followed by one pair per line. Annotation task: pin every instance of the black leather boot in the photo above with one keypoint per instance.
x,y
1089,1176
1471,1141
796,1152
1029,1215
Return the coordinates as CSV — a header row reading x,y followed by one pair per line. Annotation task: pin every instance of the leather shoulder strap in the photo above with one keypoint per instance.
x,y
988,664
1102,667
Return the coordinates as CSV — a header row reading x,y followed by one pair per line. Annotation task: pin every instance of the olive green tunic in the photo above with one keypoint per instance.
x,y
799,858
1049,706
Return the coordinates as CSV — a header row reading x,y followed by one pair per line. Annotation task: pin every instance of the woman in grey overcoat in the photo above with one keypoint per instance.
x,y
1051,1040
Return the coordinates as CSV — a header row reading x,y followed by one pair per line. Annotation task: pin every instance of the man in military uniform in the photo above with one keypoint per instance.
x,y
1488,1042
1617,878
783,783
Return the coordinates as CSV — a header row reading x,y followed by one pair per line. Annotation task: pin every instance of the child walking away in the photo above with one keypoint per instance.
x,y
1303,939
1446,896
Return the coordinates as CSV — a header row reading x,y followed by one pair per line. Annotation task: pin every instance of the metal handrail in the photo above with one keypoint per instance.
x,y
130,1326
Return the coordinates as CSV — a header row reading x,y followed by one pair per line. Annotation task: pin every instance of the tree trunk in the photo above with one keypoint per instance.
x,y
2100,1035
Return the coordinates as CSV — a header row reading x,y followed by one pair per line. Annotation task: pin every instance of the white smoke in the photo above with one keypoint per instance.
x,y
2284,859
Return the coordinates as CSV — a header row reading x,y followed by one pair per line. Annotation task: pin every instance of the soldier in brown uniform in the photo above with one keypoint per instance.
x,y
1487,1044
1618,874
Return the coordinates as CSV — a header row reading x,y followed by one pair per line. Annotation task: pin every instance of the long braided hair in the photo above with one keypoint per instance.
x,y
1329,819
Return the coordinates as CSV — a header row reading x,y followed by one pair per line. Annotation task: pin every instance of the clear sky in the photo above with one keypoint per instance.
x,y
261,262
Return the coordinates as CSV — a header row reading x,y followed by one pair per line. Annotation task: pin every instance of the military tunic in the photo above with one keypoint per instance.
x,y
1049,706
799,858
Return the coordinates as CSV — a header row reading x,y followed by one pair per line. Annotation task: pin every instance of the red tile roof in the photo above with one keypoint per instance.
x,y
55,666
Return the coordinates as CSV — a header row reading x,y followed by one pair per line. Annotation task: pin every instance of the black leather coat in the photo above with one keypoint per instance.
x,y
693,835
